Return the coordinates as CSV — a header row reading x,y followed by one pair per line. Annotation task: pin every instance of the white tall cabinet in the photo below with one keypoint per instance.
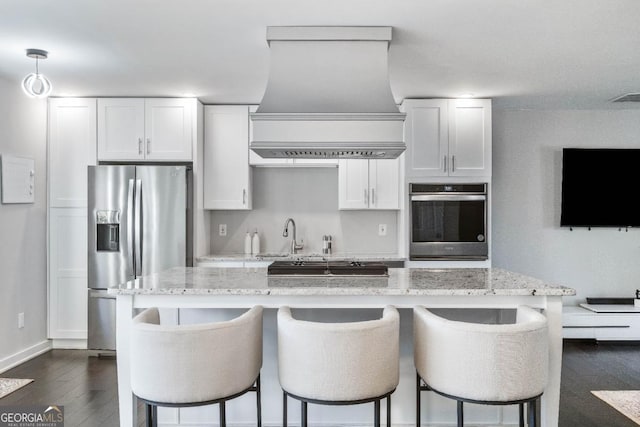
x,y
227,175
448,137
369,184
145,129
83,132
71,148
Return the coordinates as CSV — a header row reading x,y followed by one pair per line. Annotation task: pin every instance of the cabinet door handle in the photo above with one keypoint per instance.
x,y
139,145
244,196
366,197
373,196
445,163
453,163
148,146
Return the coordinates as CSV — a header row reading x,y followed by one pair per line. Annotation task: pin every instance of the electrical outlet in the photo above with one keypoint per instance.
x,y
222,229
20,320
382,229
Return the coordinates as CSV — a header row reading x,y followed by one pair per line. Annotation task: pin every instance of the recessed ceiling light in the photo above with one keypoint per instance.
x,y
467,95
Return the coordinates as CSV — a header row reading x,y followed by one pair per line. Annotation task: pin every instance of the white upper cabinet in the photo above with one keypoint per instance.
x,y
384,183
448,137
71,148
152,129
470,137
227,175
353,184
120,129
169,128
369,184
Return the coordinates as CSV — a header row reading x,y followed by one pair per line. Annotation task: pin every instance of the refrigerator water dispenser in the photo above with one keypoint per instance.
x,y
108,231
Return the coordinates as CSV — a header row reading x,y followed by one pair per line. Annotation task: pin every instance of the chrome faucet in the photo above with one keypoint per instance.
x,y
295,247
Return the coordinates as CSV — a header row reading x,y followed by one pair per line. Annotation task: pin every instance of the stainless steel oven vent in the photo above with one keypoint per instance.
x,y
328,95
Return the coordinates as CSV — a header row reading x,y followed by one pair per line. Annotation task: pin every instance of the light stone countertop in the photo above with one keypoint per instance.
x,y
303,256
401,281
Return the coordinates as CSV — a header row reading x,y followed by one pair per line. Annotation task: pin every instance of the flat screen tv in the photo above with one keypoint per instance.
x,y
600,187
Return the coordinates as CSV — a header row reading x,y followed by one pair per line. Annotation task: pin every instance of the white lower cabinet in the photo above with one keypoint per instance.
x,y
369,184
227,175
67,273
581,323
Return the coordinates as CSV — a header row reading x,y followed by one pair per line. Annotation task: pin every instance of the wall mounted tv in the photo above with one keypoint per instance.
x,y
600,187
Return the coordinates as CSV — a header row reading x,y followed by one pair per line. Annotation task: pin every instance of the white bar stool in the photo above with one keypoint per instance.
x,y
195,365
338,363
488,364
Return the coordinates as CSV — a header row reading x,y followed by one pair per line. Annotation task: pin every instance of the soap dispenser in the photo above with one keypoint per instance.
x,y
255,243
247,243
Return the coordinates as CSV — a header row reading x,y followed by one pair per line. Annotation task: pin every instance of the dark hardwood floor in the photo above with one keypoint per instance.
x,y
588,366
86,386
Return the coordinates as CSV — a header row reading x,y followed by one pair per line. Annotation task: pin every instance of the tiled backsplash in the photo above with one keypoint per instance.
x,y
310,197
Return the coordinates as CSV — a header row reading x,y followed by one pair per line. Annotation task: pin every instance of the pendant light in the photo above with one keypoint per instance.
x,y
35,84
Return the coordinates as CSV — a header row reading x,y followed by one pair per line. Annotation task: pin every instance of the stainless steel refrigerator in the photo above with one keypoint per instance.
x,y
139,224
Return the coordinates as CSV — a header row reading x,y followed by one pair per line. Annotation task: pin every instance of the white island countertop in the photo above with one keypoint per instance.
x,y
240,288
401,281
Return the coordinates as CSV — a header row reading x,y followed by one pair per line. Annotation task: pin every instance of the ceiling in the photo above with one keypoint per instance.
x,y
533,54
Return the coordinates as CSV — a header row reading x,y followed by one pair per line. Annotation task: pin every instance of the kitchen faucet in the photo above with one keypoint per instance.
x,y
295,247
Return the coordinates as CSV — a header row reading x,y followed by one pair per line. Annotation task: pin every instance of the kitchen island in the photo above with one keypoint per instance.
x,y
233,288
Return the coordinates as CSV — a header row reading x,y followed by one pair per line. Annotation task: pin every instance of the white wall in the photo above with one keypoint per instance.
x,y
23,228
527,177
310,197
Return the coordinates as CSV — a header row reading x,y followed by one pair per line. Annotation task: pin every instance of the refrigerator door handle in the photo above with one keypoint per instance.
x,y
138,228
130,227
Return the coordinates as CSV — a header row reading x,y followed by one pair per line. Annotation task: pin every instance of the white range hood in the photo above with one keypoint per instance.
x,y
328,95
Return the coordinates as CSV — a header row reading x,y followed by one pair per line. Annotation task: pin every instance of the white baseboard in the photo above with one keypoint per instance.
x,y
24,355
69,344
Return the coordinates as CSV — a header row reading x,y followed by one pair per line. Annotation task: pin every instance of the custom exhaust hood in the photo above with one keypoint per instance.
x,y
328,96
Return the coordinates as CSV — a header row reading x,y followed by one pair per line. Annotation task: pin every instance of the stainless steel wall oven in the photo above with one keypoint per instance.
x,y
448,221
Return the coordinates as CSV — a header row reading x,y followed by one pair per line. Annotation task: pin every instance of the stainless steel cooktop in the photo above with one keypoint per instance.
x,y
324,268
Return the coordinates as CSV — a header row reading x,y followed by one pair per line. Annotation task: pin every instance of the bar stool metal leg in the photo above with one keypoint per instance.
x,y
533,413
521,415
417,399
154,415
460,414
148,414
258,399
303,412
389,411
223,415
376,413
284,409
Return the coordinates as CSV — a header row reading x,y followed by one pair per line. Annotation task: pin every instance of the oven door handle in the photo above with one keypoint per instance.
x,y
447,197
